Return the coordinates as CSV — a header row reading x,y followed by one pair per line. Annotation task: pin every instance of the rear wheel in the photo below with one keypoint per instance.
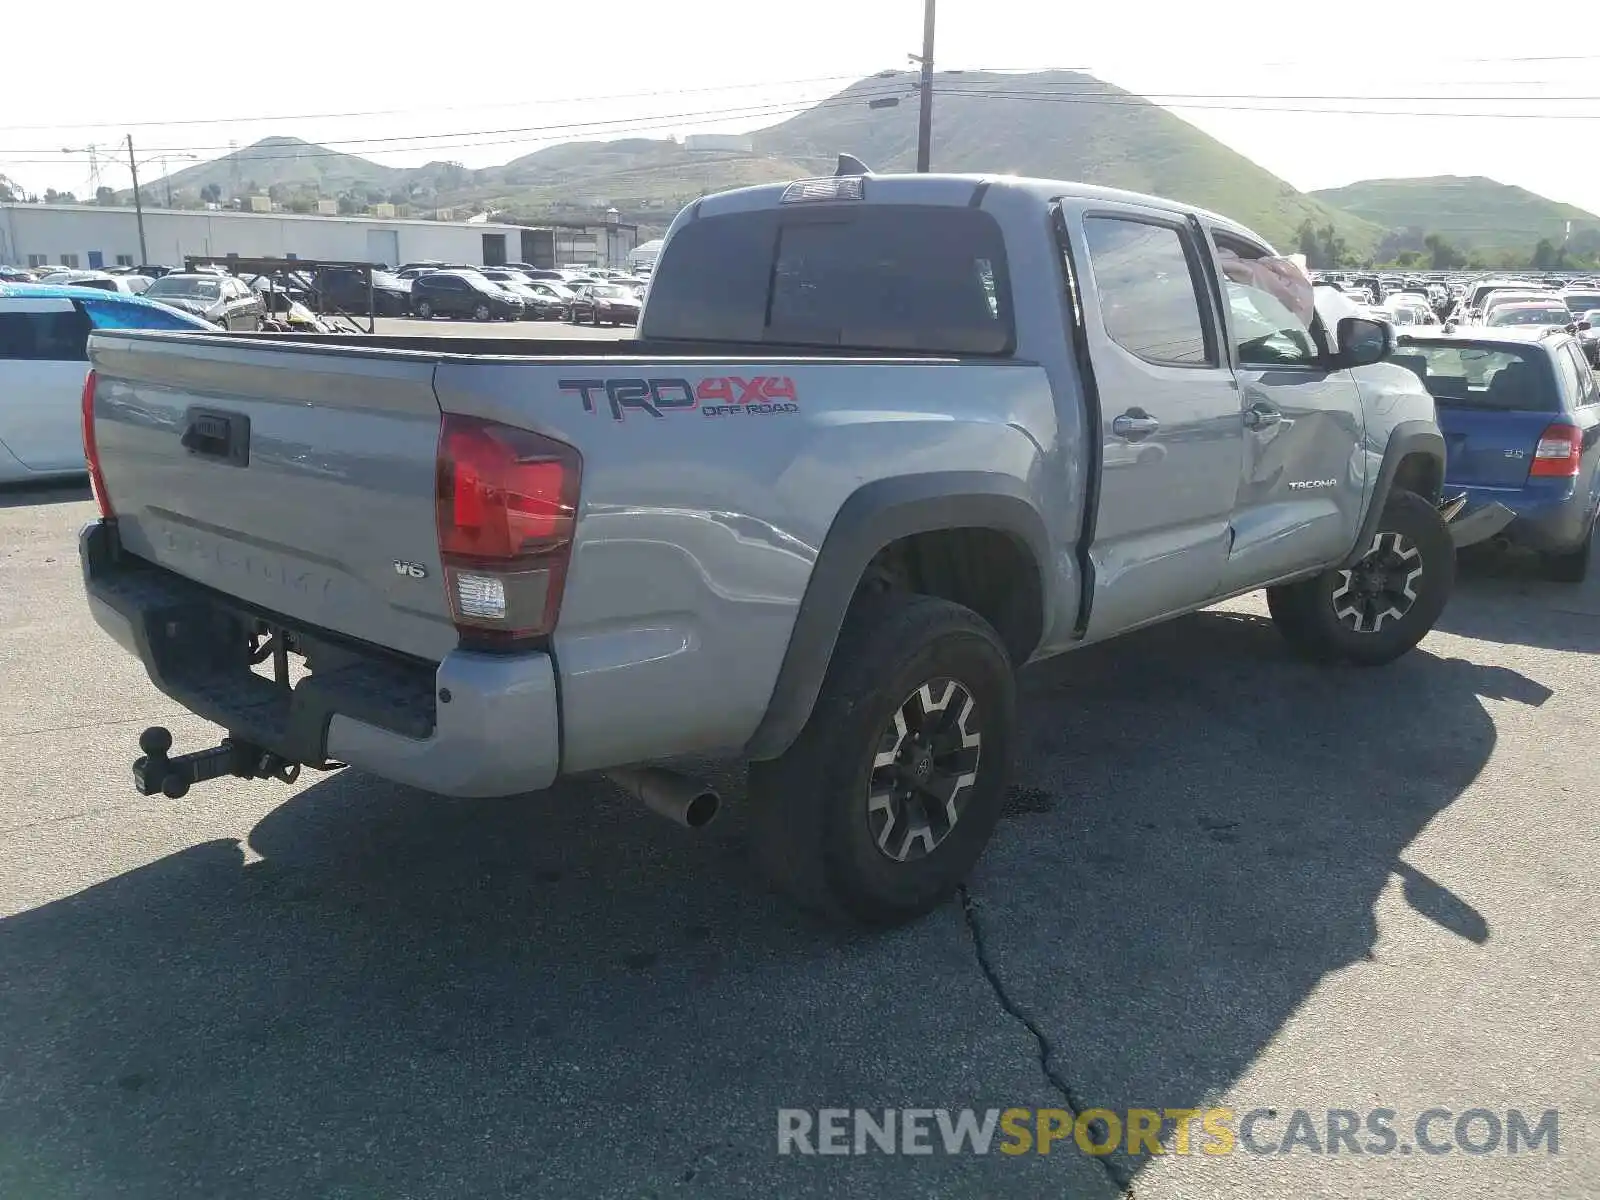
x,y
887,798
480,312
1385,602
1573,566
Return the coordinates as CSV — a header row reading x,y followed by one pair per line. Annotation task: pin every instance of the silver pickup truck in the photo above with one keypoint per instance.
x,y
880,441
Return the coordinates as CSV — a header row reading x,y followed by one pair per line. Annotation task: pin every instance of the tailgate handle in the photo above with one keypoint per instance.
x,y
212,433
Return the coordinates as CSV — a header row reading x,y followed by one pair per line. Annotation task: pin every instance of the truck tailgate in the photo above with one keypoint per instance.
x,y
297,478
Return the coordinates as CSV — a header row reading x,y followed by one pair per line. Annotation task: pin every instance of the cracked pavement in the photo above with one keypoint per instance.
x,y
1226,877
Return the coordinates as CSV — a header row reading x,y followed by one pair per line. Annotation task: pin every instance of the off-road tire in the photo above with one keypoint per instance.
x,y
1306,613
812,820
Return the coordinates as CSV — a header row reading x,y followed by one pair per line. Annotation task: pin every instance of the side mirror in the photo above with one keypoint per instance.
x,y
1362,342
1585,326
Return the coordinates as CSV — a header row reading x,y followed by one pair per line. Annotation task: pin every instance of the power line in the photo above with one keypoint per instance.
x,y
391,112
526,132
1138,101
765,85
949,88
623,125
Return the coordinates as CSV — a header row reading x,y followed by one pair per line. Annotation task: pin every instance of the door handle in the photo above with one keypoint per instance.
x,y
1135,425
1261,416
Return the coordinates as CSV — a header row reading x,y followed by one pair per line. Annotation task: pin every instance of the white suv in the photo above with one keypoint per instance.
x,y
44,335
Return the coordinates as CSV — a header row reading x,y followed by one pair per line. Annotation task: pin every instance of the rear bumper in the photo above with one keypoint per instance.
x,y
473,725
1556,519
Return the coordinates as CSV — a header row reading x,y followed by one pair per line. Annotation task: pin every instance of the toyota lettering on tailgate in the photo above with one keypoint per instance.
x,y
715,396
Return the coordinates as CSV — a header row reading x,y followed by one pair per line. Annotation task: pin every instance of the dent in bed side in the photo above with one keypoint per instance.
x,y
874,517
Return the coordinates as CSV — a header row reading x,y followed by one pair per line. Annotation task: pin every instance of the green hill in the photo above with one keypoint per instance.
x,y
1469,210
286,162
1058,125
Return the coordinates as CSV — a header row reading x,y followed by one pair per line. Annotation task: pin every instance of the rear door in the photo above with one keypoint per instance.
x,y
1171,439
43,361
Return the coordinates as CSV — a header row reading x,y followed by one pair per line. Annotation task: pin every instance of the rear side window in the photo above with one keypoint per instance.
x,y
1571,378
871,277
1588,385
1149,299
48,336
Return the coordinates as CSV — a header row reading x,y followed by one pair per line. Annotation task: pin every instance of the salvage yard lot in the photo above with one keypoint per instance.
x,y
1226,877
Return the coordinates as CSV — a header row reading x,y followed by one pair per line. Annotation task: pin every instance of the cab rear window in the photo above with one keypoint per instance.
x,y
1498,378
868,277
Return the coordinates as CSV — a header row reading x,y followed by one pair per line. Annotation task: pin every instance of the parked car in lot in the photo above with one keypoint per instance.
x,y
890,496
462,294
1589,335
226,302
126,283
44,336
1547,314
603,304
346,290
549,300
1520,411
1504,296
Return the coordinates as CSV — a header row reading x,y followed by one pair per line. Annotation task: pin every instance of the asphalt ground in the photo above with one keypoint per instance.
x,y
1226,879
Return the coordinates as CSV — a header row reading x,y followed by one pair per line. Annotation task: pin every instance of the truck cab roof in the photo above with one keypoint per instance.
x,y
947,189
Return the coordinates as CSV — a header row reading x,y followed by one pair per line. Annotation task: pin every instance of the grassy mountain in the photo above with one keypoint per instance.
x,y
1469,210
1058,125
280,161
631,173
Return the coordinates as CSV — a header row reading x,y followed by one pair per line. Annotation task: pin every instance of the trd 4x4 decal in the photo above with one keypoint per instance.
x,y
715,396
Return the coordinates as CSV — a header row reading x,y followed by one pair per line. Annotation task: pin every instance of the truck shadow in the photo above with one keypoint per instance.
x,y
29,495
1200,836
1503,596
388,993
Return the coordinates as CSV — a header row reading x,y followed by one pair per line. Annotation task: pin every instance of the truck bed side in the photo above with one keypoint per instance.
x,y
709,489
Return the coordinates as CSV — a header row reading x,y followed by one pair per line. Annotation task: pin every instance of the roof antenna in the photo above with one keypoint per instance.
x,y
849,164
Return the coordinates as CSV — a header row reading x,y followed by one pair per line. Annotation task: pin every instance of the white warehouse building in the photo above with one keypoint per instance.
x,y
91,237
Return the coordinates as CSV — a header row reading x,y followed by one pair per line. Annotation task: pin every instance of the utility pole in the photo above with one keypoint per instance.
x,y
925,120
138,205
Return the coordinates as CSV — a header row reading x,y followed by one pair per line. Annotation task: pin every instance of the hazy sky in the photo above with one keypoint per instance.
x,y
521,75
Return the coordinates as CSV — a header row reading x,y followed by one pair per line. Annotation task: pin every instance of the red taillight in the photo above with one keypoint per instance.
x,y
507,500
1559,453
91,452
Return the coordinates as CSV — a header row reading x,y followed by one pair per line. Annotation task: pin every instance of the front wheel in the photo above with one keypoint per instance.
x,y
480,312
424,310
882,805
1385,602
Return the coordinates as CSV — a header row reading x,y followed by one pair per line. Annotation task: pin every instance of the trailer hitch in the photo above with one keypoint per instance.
x,y
157,772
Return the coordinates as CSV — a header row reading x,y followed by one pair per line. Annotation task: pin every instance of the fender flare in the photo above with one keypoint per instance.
x,y
1405,439
873,516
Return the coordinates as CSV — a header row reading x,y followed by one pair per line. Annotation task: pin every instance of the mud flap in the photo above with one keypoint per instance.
x,y
1480,524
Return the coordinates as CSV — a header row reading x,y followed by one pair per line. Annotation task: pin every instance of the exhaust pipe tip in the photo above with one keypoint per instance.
x,y
681,800
702,809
